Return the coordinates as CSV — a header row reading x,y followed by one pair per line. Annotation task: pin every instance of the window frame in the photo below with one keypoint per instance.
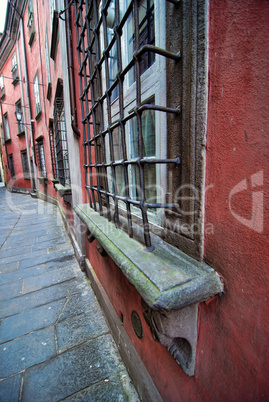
x,y
59,146
37,96
18,107
2,87
31,22
188,135
25,165
41,159
6,127
11,166
14,69
54,28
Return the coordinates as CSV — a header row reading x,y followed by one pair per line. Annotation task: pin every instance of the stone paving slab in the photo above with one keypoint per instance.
x,y
79,328
21,257
10,290
43,296
116,388
26,351
48,279
9,268
72,371
31,320
12,276
54,339
10,388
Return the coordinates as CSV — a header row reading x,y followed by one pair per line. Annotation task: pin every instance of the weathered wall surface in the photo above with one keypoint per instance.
x,y
232,356
233,332
234,337
16,143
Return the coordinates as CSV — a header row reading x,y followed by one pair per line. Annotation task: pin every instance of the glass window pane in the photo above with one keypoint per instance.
x,y
117,146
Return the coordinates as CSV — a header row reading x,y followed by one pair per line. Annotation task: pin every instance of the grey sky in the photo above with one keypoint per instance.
x,y
3,4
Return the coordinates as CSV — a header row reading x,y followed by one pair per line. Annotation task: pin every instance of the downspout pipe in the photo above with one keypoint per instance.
x,y
74,122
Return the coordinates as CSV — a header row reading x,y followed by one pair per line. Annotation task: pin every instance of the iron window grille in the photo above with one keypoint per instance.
x,y
20,123
11,166
6,128
37,96
52,149
108,161
40,158
15,74
2,87
25,166
14,69
58,144
31,23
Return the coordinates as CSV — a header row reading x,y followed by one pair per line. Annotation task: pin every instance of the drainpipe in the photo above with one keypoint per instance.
x,y
73,105
34,182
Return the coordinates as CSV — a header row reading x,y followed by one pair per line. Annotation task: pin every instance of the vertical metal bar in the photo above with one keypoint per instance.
x,y
82,111
110,135
93,101
139,132
122,126
103,145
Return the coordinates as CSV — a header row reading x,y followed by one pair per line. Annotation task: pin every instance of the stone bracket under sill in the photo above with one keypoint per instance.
x,y
166,278
54,182
64,192
170,283
43,180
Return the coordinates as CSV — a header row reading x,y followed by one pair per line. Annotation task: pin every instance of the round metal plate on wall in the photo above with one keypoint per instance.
x,y
137,325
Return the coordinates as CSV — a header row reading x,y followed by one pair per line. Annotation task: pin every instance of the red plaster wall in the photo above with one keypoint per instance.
x,y
234,334
170,380
36,59
232,352
36,62
232,356
12,95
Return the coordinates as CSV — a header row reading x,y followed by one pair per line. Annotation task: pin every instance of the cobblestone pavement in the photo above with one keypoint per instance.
x,y
55,343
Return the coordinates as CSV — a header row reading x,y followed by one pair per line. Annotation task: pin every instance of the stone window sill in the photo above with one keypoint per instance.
x,y
21,134
167,279
43,180
64,192
38,116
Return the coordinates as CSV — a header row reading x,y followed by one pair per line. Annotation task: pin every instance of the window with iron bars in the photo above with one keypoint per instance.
x,y
143,99
25,166
11,166
6,127
31,22
14,69
58,144
19,109
37,96
2,87
40,158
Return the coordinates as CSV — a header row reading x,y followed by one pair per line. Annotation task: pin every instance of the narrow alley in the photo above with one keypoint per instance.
x,y
55,343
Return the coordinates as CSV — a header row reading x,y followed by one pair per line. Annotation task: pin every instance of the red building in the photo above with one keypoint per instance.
x,y
146,121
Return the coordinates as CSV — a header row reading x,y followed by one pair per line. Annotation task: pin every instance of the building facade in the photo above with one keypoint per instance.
x,y
146,121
